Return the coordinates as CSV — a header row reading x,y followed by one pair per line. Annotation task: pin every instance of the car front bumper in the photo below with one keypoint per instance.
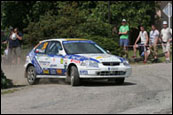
x,y
105,72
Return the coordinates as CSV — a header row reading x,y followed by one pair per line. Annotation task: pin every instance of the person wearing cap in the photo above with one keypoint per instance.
x,y
166,38
124,37
144,43
154,36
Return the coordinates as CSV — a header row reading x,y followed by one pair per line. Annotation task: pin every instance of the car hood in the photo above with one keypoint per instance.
x,y
103,57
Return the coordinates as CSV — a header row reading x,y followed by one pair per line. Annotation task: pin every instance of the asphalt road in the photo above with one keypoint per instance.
x,y
148,90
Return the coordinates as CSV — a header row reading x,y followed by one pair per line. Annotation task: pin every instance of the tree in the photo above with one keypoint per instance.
x,y
20,13
136,13
14,13
86,19
72,22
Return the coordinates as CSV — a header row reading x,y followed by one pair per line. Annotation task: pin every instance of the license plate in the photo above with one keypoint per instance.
x,y
113,69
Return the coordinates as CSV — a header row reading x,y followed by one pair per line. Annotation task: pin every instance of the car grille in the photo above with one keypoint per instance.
x,y
111,63
107,73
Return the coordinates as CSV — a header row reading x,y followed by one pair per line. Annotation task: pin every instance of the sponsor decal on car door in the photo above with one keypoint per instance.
x,y
56,66
41,59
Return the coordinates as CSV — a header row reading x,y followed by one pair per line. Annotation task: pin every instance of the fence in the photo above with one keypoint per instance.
x,y
151,56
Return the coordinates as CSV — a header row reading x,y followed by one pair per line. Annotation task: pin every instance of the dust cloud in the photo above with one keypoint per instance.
x,y
15,72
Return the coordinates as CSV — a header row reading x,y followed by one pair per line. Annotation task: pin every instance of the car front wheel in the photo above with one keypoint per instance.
x,y
74,75
31,76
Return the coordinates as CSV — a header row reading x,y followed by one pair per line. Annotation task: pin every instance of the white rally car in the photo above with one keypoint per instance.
x,y
74,60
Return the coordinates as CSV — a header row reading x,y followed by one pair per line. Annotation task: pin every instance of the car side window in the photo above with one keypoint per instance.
x,y
53,48
41,48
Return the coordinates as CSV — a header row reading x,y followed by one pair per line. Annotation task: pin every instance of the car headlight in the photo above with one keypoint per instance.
x,y
125,62
93,64
89,63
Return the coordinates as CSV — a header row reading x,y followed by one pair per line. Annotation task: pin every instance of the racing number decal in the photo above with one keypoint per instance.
x,y
44,45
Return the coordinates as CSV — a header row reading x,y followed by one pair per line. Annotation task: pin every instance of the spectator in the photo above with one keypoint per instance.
x,y
154,36
142,53
166,38
15,46
124,37
7,42
144,40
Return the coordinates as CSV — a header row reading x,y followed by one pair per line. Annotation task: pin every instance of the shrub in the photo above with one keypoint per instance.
x,y
107,43
4,81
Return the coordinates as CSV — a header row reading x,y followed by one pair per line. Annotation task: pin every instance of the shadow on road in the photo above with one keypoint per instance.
x,y
19,86
52,81
16,86
104,83
85,83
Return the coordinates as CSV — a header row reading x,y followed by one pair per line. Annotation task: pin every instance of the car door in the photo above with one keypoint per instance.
x,y
56,66
41,57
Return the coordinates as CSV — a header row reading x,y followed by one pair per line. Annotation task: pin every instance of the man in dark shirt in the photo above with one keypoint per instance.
x,y
15,46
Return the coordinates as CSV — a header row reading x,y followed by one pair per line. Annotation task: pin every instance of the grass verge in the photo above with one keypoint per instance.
x,y
8,91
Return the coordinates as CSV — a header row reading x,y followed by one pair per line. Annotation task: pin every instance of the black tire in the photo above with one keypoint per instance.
x,y
67,79
119,81
31,76
74,75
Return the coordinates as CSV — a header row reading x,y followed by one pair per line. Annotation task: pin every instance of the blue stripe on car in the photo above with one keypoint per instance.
x,y
35,62
85,41
121,59
37,66
80,58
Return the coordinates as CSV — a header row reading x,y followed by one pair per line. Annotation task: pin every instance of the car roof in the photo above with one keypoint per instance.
x,y
63,39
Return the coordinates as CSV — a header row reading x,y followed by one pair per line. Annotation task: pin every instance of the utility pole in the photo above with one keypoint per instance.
x,y
170,13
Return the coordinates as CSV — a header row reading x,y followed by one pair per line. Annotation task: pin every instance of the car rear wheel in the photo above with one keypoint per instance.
x,y
119,81
31,76
74,75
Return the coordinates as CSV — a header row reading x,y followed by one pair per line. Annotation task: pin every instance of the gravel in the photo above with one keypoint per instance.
x,y
147,91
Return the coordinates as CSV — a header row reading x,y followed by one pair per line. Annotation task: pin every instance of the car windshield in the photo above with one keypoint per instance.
x,y
82,47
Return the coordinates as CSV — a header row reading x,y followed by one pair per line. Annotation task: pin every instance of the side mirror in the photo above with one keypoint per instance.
x,y
108,51
61,53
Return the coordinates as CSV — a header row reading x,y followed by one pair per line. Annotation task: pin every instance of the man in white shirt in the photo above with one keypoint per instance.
x,y
144,40
154,36
166,38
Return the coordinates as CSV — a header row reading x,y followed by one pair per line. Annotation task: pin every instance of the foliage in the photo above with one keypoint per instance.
x,y
14,13
71,23
4,81
41,20
107,43
137,13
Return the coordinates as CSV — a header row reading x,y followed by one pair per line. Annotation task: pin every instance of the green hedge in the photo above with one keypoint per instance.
x,y
108,44
5,83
